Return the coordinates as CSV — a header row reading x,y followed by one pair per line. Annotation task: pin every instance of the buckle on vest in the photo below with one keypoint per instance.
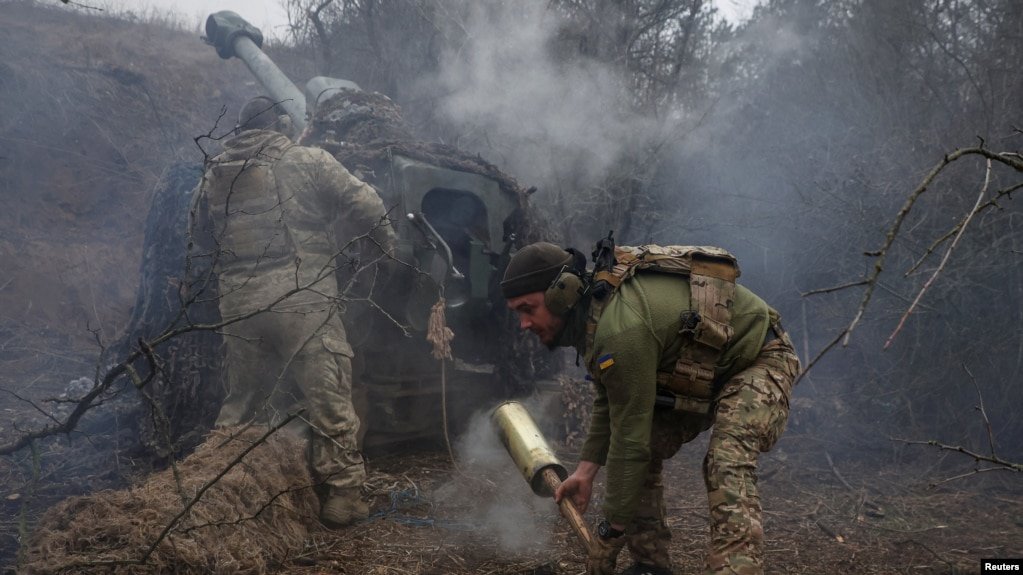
x,y
689,319
666,399
696,374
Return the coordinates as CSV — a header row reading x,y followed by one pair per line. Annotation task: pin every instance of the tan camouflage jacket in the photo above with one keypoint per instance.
x,y
280,216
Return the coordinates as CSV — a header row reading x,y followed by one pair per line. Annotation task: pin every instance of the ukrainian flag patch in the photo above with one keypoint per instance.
x,y
605,361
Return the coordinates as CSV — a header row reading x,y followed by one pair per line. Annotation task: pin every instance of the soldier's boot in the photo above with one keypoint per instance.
x,y
343,507
648,535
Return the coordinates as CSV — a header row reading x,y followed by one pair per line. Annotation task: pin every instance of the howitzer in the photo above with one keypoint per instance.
x,y
232,36
454,208
456,218
537,462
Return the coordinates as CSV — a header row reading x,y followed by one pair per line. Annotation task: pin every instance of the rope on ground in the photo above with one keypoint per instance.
x,y
402,499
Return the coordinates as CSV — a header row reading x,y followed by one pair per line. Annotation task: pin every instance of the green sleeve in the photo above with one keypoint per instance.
x,y
630,387
595,447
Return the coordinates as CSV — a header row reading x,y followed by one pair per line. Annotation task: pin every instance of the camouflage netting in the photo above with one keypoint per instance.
x,y
364,130
358,117
252,519
186,389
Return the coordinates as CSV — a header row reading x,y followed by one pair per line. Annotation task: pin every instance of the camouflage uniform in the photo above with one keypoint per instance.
x,y
637,336
274,208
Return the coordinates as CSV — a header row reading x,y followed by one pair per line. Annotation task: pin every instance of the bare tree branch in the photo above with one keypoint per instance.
x,y
1008,465
992,203
193,501
944,260
993,458
834,288
1005,158
983,412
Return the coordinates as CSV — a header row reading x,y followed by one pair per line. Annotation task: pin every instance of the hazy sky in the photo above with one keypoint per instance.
x,y
268,15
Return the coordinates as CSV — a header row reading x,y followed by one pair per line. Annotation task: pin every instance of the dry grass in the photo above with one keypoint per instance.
x,y
851,516
252,519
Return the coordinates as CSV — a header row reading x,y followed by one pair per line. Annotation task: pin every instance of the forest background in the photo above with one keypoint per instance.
x,y
796,140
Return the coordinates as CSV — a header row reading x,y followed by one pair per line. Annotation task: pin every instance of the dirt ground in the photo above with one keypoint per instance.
x,y
819,518
825,512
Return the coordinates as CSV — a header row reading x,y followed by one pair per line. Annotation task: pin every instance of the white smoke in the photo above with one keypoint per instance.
x,y
510,97
507,511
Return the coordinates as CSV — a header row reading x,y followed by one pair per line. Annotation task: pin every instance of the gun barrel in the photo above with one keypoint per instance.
x,y
232,35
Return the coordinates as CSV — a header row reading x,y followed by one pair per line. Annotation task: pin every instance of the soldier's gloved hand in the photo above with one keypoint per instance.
x,y
603,554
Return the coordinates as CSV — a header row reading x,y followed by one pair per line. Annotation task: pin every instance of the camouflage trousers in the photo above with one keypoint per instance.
x,y
282,361
750,415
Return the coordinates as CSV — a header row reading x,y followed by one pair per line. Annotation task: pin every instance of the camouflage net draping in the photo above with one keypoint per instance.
x,y
252,519
363,130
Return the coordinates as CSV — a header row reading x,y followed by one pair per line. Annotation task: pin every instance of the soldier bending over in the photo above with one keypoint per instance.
x,y
674,347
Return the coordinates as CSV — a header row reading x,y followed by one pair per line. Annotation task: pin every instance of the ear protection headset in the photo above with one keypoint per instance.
x,y
568,287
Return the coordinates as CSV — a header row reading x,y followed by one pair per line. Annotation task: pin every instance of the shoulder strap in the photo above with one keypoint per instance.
x,y
705,328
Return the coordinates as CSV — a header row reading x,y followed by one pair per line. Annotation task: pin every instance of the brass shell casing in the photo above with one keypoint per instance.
x,y
526,445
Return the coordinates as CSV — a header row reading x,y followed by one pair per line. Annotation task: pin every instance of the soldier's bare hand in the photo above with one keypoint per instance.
x,y
579,486
577,489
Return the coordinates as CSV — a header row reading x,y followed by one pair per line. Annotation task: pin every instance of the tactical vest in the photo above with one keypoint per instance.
x,y
705,329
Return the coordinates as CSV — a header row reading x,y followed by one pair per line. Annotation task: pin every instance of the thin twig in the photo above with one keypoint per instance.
x,y
202,490
837,474
944,259
161,423
983,412
967,474
834,288
820,355
992,203
1018,467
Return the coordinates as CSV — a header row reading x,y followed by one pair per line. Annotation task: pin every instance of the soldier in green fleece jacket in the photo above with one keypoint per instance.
x,y
671,355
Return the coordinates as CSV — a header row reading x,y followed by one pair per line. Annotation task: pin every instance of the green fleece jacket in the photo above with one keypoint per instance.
x,y
637,336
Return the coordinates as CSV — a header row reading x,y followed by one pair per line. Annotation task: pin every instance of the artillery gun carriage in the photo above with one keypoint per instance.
x,y
457,219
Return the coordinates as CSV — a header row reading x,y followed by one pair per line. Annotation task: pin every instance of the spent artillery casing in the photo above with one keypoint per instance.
x,y
526,445
536,461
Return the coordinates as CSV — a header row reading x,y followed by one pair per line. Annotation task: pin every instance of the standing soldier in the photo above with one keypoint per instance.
x,y
674,346
274,208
